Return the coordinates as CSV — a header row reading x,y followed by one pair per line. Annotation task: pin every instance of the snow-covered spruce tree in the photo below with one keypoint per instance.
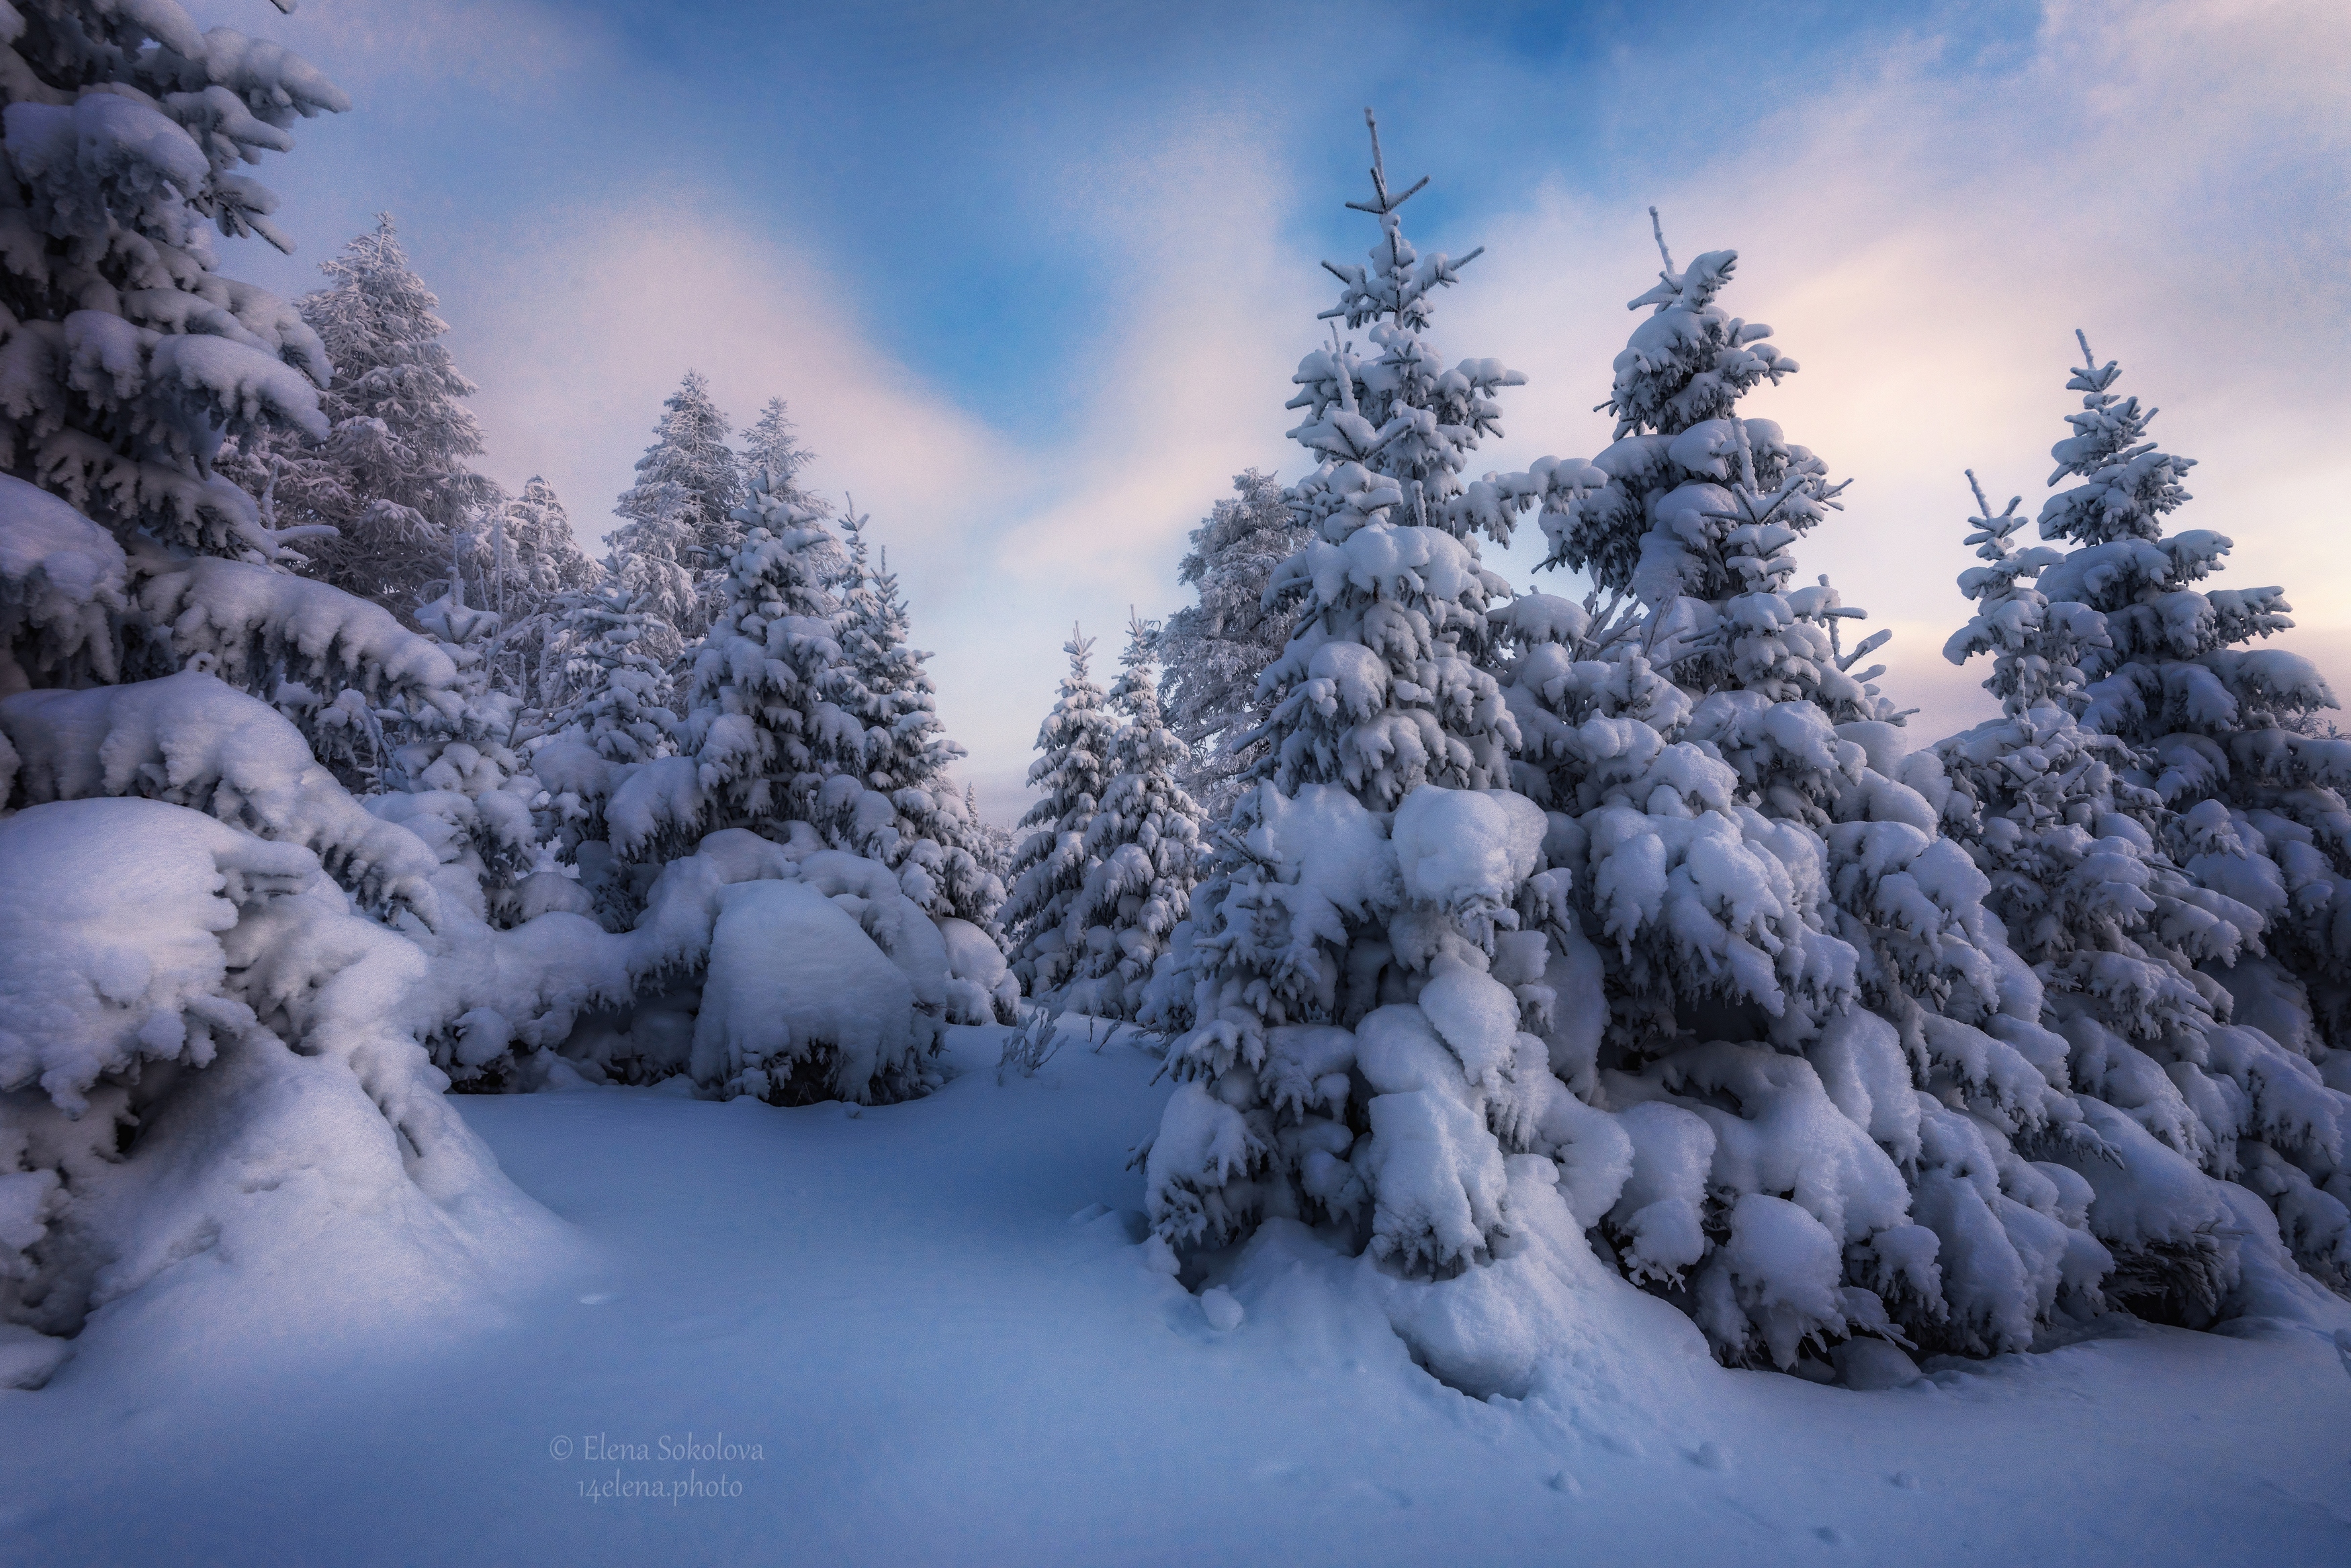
x,y
647,555
206,1034
600,686
1833,1068
456,779
993,843
898,805
2225,728
392,478
761,733
128,365
1141,849
524,561
1212,652
1049,869
126,359
1373,951
771,446
539,560
2172,862
689,485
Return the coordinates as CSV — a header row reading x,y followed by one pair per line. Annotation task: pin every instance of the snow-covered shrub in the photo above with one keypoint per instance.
x,y
1028,1048
799,1005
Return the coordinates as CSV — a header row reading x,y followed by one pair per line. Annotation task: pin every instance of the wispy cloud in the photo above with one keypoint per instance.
x,y
1926,235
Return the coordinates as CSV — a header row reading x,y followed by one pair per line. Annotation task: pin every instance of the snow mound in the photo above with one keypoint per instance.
x,y
203,1076
799,1005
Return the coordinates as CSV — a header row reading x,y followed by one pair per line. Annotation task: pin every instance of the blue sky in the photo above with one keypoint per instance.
x,y
1034,278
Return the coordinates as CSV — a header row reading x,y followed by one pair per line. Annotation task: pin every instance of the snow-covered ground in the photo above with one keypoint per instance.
x,y
925,1334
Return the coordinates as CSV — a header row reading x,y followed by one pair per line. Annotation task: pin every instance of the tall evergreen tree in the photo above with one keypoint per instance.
x,y
1213,651
650,556
1142,845
537,557
394,477
598,683
1050,869
761,733
1785,933
2172,859
907,815
1375,932
2226,729
689,484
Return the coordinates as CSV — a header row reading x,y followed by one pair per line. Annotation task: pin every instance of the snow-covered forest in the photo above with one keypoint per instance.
x,y
1444,1063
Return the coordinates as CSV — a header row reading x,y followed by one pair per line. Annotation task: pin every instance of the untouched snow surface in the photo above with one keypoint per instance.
x,y
934,1323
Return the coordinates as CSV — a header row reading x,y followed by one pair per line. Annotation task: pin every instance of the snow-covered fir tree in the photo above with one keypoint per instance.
x,y
534,556
394,477
127,130
993,843
1213,651
454,777
1049,869
771,446
1785,933
599,683
524,564
2225,727
2135,852
1141,849
1371,948
648,555
682,508
761,733
247,1067
906,814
